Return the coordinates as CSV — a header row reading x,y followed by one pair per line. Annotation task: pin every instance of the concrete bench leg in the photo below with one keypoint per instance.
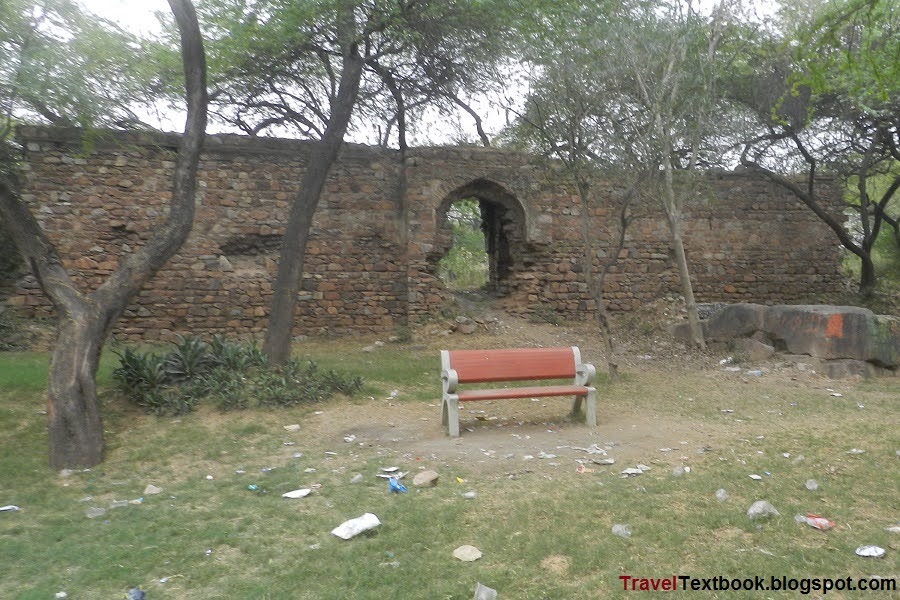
x,y
591,419
576,406
450,415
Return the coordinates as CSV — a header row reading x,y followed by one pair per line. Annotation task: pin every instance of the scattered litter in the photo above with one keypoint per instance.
x,y
390,469
240,472
679,471
394,393
314,546
136,501
460,480
294,427
855,451
483,592
727,361
301,493
353,527
94,512
253,487
544,455
860,406
328,453
812,485
755,477
592,449
397,475
309,470
786,455
837,394
727,411
733,369
623,531
356,478
721,495
350,438
135,594
395,486
467,553
582,469
761,509
118,504
665,449
470,495
152,490
528,457
318,412
297,455
870,551
209,478
60,595
893,529
817,522
9,508
208,552
755,372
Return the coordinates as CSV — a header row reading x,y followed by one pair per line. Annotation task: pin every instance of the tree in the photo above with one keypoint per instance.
x,y
84,320
571,114
316,68
829,109
66,67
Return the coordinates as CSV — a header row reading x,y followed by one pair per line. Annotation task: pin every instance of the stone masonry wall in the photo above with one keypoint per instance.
x,y
378,233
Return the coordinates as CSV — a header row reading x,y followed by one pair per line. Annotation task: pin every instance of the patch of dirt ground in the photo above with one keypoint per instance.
x,y
508,437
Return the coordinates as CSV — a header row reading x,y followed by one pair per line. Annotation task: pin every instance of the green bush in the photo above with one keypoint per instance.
x,y
233,376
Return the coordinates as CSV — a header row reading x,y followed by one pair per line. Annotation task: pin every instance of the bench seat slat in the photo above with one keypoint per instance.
x,y
545,391
518,364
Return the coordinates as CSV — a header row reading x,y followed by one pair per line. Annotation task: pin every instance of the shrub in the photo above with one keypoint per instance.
x,y
232,375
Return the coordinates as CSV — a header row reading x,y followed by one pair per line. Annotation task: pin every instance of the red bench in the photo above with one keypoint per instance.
x,y
517,364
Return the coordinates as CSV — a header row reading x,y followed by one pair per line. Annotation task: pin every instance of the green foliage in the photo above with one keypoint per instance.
x,y
465,267
12,337
230,374
545,314
62,65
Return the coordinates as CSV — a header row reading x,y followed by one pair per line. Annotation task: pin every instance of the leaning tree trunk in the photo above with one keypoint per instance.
x,y
85,320
76,431
277,345
673,216
867,275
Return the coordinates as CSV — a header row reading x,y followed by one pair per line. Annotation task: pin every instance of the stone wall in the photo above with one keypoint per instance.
x,y
379,232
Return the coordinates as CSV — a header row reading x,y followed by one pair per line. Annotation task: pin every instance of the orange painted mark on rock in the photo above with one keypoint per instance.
x,y
835,327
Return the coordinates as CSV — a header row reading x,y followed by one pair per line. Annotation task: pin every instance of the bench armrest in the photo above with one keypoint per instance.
x,y
584,374
449,380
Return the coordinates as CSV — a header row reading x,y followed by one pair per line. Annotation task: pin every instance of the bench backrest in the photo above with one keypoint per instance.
x,y
518,364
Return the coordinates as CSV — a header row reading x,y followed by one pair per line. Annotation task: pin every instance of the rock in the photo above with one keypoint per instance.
x,y
467,553
152,490
427,478
225,265
753,350
468,328
294,427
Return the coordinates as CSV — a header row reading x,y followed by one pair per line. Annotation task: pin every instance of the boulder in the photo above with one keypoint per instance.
x,y
855,340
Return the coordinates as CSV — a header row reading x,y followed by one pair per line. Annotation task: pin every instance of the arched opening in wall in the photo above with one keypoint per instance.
x,y
500,221
465,267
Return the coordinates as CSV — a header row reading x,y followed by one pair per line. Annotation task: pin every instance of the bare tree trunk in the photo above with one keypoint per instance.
x,y
277,345
673,216
76,431
595,285
84,321
867,277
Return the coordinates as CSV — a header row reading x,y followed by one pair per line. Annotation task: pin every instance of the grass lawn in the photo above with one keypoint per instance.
x,y
544,529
